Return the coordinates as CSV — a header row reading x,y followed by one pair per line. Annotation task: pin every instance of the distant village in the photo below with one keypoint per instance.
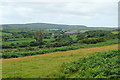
x,y
61,33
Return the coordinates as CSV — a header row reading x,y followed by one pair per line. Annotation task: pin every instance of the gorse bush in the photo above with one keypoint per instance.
x,y
101,65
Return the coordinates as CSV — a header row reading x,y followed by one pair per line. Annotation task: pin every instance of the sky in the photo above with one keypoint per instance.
x,y
92,13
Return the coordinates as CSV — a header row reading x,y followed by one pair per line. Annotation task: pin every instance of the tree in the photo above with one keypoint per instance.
x,y
39,37
5,38
63,40
118,35
99,33
92,40
80,36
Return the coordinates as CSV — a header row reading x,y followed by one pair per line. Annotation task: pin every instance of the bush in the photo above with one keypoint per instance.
x,y
25,44
101,65
6,46
99,33
29,48
92,40
63,40
80,36
40,46
33,43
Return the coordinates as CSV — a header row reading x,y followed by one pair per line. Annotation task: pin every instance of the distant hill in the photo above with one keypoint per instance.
x,y
41,26
37,26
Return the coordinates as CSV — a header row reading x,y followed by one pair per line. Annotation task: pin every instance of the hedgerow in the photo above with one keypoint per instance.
x,y
49,50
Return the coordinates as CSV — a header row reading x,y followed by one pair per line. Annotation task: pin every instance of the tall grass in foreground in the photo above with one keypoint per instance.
x,y
49,50
101,65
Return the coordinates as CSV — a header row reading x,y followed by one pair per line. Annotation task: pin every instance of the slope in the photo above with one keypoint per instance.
x,y
42,65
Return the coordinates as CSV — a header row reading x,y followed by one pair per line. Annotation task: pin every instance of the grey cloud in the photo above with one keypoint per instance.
x,y
62,12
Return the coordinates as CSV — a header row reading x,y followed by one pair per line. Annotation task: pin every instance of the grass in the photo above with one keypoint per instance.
x,y
101,65
5,34
18,39
15,42
83,31
73,36
43,66
49,40
15,30
115,32
21,40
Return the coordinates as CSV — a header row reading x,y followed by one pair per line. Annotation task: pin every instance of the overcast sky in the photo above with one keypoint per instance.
x,y
84,12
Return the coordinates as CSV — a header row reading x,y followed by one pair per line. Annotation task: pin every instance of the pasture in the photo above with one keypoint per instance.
x,y
31,53
41,66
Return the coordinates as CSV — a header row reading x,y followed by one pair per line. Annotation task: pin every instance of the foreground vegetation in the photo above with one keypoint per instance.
x,y
43,66
101,65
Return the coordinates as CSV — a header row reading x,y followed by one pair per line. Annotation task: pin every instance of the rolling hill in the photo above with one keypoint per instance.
x,y
36,26
41,26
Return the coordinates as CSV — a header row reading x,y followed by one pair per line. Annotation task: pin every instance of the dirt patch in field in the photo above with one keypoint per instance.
x,y
85,51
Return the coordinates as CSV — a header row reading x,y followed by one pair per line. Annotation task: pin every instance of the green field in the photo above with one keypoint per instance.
x,y
15,42
43,66
49,50
22,40
49,40
7,34
40,50
116,32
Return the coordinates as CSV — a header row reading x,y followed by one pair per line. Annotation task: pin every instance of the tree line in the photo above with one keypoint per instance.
x,y
89,37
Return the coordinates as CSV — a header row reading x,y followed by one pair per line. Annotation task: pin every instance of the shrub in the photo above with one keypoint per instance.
x,y
40,46
29,48
101,65
6,46
33,43
92,40
25,44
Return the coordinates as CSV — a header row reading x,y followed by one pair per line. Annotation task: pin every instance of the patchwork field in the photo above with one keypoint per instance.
x,y
41,66
38,50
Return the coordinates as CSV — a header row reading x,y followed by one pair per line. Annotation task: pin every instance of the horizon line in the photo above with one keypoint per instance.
x,y
56,24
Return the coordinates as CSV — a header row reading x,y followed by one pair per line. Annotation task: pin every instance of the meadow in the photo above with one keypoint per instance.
x,y
44,66
57,52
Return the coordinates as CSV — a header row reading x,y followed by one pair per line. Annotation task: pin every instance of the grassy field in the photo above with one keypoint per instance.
x,y
15,42
49,40
21,40
5,34
41,66
101,65
38,54
115,32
